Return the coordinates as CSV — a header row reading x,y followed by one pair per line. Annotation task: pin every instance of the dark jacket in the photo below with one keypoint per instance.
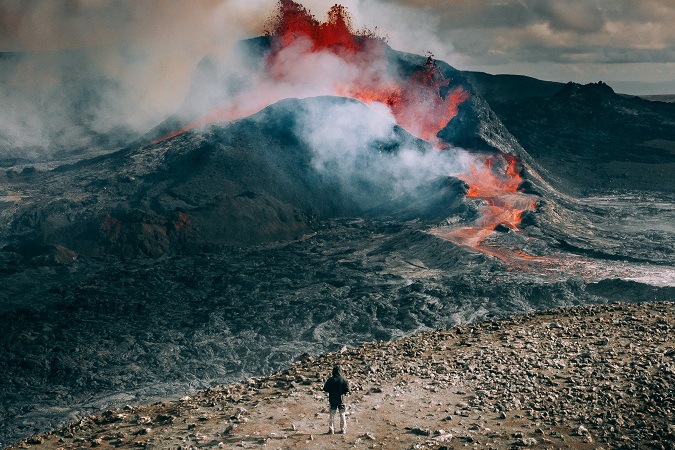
x,y
337,387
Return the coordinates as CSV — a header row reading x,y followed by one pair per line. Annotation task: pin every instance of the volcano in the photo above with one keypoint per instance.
x,y
329,191
376,161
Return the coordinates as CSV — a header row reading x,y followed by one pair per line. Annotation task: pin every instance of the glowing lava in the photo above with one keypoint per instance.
x,y
503,204
294,21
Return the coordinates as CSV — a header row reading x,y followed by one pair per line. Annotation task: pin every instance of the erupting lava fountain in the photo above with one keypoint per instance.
x,y
423,104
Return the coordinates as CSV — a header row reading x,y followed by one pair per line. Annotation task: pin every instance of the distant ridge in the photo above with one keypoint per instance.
x,y
659,98
609,140
504,87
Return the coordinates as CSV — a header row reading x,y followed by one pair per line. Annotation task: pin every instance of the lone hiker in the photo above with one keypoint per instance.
x,y
337,386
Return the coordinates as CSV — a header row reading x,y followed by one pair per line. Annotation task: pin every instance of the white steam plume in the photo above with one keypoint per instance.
x,y
353,144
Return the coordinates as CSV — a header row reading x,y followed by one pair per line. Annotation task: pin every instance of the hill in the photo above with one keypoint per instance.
x,y
264,178
507,87
590,140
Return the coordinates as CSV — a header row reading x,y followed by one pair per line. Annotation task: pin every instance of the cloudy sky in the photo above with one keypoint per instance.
x,y
580,40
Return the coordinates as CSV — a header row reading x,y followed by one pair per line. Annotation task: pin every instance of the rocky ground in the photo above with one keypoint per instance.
x,y
577,377
94,334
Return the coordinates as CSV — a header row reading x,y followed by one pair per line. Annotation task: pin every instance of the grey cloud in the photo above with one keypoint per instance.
x,y
534,52
578,16
540,32
624,56
506,14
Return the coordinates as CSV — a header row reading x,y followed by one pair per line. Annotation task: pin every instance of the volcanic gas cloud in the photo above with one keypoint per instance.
x,y
309,58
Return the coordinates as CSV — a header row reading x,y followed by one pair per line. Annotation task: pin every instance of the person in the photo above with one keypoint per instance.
x,y
337,387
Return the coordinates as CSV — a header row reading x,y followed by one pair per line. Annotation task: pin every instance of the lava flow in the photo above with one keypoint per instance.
x,y
309,58
503,205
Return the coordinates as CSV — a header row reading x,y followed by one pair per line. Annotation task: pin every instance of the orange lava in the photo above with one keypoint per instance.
x,y
504,204
416,104
294,21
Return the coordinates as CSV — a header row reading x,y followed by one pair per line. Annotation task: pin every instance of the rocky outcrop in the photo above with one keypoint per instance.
x,y
590,140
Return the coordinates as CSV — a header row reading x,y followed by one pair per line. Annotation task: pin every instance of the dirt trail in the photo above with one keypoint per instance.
x,y
580,377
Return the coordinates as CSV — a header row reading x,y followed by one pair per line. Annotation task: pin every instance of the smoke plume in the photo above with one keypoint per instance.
x,y
82,75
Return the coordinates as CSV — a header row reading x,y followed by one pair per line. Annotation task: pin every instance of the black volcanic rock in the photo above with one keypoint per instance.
x,y
592,92
591,140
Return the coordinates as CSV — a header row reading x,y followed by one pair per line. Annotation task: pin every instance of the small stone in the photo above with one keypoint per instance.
x,y
419,431
526,442
165,418
35,440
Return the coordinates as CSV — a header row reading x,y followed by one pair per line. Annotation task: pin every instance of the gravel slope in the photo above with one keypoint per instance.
x,y
578,377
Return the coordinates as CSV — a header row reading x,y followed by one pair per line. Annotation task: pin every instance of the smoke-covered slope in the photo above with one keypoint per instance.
x,y
263,178
56,106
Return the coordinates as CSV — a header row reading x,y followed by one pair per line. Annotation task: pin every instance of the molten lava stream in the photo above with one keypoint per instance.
x,y
504,205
